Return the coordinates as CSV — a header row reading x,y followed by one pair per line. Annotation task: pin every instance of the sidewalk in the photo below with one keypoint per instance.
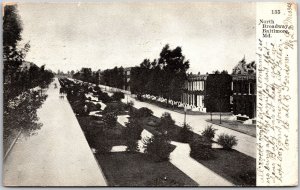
x,y
195,170
58,155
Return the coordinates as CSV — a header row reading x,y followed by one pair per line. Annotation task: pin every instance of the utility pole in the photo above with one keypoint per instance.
x,y
184,116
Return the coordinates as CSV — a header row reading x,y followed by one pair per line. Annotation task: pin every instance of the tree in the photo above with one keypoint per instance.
x,y
176,87
12,26
163,77
140,77
113,77
86,74
218,93
12,56
72,73
20,100
96,77
173,67
17,77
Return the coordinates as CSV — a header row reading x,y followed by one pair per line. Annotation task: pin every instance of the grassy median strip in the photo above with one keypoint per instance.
x,y
136,169
232,165
130,169
224,162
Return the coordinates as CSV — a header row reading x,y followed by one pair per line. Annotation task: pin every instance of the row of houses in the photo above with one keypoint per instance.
x,y
220,92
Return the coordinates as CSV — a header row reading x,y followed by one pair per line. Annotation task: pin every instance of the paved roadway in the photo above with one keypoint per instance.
x,y
58,155
246,143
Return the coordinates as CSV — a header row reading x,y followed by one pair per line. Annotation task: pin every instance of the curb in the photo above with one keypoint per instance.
x,y
231,129
12,145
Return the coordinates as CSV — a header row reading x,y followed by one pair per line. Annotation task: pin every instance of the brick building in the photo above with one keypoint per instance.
x,y
244,89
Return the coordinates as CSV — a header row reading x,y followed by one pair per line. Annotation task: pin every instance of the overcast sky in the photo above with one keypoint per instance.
x,y
100,36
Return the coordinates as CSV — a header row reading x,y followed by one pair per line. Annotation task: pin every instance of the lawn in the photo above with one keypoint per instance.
x,y
137,169
130,169
234,166
237,126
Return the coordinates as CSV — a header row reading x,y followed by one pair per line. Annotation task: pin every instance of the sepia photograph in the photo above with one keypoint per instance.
x,y
129,94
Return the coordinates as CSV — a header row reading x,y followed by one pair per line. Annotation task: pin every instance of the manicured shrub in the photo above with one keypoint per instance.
x,y
97,89
110,119
166,121
227,141
78,107
132,146
133,130
185,134
158,147
104,97
118,96
209,132
92,106
201,148
139,97
98,106
142,112
90,89
116,107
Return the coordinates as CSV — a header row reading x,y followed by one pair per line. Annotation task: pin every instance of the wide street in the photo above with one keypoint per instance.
x,y
246,143
58,155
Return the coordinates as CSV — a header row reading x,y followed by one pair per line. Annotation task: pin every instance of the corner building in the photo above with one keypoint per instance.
x,y
207,93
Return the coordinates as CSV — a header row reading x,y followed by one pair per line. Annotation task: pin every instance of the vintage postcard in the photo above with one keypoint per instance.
x,y
150,94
